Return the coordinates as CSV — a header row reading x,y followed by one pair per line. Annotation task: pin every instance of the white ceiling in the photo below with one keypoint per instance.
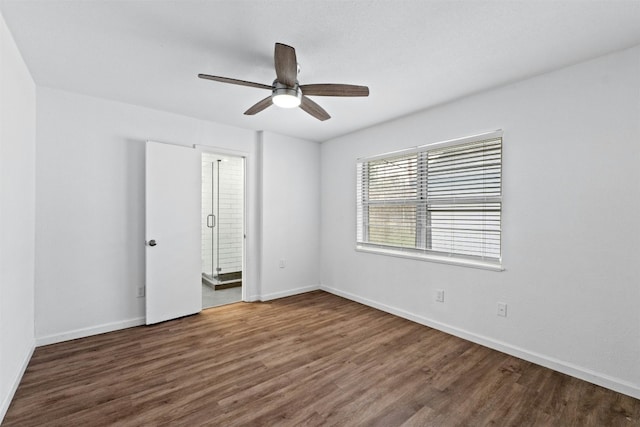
x,y
412,54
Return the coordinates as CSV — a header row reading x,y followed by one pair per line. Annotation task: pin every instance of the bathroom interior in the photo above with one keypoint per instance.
x,y
222,229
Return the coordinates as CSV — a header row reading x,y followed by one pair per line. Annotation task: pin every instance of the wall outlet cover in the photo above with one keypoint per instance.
x,y
502,309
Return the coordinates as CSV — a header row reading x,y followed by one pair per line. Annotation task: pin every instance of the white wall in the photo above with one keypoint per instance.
x,y
17,215
290,215
90,207
571,237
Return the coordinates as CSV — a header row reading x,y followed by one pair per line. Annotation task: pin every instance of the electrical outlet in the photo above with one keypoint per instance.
x,y
140,291
502,309
440,295
282,264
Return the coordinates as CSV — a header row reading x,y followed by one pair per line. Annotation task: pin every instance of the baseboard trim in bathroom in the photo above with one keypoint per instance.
x,y
223,280
229,277
227,285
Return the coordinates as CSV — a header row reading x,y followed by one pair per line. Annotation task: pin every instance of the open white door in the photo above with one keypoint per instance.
x,y
173,281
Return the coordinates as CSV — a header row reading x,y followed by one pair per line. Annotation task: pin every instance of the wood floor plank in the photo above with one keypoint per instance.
x,y
308,360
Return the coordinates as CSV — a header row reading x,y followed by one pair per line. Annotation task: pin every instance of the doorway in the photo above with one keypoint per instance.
x,y
222,223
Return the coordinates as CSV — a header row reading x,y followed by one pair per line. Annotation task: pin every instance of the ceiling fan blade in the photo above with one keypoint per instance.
x,y
234,81
286,64
261,105
330,89
314,109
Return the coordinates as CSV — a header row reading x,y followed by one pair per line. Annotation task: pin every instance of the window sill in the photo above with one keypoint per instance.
x,y
432,258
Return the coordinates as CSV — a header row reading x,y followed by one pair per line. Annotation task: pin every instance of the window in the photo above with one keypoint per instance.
x,y
440,201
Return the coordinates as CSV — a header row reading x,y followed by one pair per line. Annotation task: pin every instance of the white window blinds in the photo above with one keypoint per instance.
x,y
444,199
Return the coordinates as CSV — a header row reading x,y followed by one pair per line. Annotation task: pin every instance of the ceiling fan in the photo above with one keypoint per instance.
x,y
286,92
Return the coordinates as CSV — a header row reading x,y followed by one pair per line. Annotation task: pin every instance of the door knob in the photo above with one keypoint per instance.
x,y
152,243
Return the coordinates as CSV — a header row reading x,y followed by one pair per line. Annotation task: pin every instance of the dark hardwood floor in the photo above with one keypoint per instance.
x,y
311,359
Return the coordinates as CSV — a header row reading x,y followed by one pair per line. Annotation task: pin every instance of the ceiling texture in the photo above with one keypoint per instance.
x,y
413,55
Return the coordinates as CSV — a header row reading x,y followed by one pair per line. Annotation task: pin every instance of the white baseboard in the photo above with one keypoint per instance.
x,y
288,292
114,326
564,367
86,332
6,401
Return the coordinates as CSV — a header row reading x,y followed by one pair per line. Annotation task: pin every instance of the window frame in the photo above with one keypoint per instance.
x,y
421,222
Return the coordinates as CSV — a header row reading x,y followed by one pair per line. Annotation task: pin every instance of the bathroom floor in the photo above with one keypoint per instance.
x,y
211,298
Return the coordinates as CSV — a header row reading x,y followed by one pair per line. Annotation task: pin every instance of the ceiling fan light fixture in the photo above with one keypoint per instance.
x,y
286,97
286,91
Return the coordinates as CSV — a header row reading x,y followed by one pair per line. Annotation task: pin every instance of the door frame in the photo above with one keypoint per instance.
x,y
246,275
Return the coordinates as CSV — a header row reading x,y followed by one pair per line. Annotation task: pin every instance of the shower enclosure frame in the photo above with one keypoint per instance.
x,y
215,264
